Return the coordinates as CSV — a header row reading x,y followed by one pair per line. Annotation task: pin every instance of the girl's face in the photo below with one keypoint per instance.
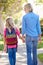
x,y
11,23
8,25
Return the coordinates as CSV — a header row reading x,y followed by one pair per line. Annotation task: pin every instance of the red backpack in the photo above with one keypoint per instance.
x,y
11,38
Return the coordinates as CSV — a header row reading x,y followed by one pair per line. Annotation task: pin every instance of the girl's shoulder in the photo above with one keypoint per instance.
x,y
5,29
4,33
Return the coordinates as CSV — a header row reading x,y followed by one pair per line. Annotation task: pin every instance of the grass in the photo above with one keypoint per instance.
x,y
1,44
1,47
40,56
40,45
1,39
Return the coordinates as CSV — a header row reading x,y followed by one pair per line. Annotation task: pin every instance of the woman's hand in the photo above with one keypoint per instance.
x,y
39,39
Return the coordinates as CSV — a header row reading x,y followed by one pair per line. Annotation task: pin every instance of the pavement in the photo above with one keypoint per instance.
x,y
21,55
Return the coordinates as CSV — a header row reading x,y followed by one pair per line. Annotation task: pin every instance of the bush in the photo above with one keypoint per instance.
x,y
41,21
42,29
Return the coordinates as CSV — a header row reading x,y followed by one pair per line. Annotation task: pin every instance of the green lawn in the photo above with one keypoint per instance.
x,y
1,47
40,45
40,56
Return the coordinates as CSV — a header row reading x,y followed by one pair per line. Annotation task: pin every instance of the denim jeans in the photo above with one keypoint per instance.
x,y
31,46
12,55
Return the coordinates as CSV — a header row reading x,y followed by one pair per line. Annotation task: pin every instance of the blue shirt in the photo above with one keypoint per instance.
x,y
31,24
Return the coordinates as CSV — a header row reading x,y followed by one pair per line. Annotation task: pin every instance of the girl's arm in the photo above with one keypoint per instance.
x,y
20,35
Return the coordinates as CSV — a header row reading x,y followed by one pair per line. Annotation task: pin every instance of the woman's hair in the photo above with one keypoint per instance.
x,y
29,6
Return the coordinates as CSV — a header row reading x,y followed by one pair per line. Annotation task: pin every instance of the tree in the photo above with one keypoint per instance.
x,y
39,1
9,7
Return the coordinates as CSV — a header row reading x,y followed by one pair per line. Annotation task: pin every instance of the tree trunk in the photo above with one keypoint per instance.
x,y
1,22
1,25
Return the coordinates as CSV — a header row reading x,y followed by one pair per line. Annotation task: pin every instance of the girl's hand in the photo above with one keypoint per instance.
x,y
5,48
23,39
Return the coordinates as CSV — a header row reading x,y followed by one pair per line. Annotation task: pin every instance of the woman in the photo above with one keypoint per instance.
x,y
31,29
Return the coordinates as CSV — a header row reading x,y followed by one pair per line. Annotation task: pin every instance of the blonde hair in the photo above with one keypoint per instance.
x,y
29,6
10,21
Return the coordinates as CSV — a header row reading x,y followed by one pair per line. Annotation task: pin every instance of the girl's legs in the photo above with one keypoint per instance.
x,y
12,56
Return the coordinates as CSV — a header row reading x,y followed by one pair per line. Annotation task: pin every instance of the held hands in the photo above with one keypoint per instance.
x,y
22,38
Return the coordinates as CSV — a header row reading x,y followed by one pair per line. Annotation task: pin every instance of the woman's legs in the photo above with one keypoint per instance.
x,y
35,52
29,47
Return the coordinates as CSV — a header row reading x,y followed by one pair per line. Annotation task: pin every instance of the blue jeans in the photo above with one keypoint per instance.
x,y
31,46
12,55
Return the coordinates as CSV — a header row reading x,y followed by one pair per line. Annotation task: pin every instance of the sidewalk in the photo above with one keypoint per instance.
x,y
21,56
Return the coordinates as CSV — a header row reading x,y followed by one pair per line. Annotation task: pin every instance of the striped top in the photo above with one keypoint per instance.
x,y
10,37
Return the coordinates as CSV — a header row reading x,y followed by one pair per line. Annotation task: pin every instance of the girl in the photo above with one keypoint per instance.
x,y
10,40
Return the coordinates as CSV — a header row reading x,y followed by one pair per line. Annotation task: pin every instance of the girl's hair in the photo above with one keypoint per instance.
x,y
29,6
10,22
8,19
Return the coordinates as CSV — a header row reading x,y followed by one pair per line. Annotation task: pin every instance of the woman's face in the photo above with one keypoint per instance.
x,y
26,10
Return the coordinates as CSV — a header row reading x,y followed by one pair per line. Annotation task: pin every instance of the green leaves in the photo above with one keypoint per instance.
x,y
3,1
39,1
9,5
